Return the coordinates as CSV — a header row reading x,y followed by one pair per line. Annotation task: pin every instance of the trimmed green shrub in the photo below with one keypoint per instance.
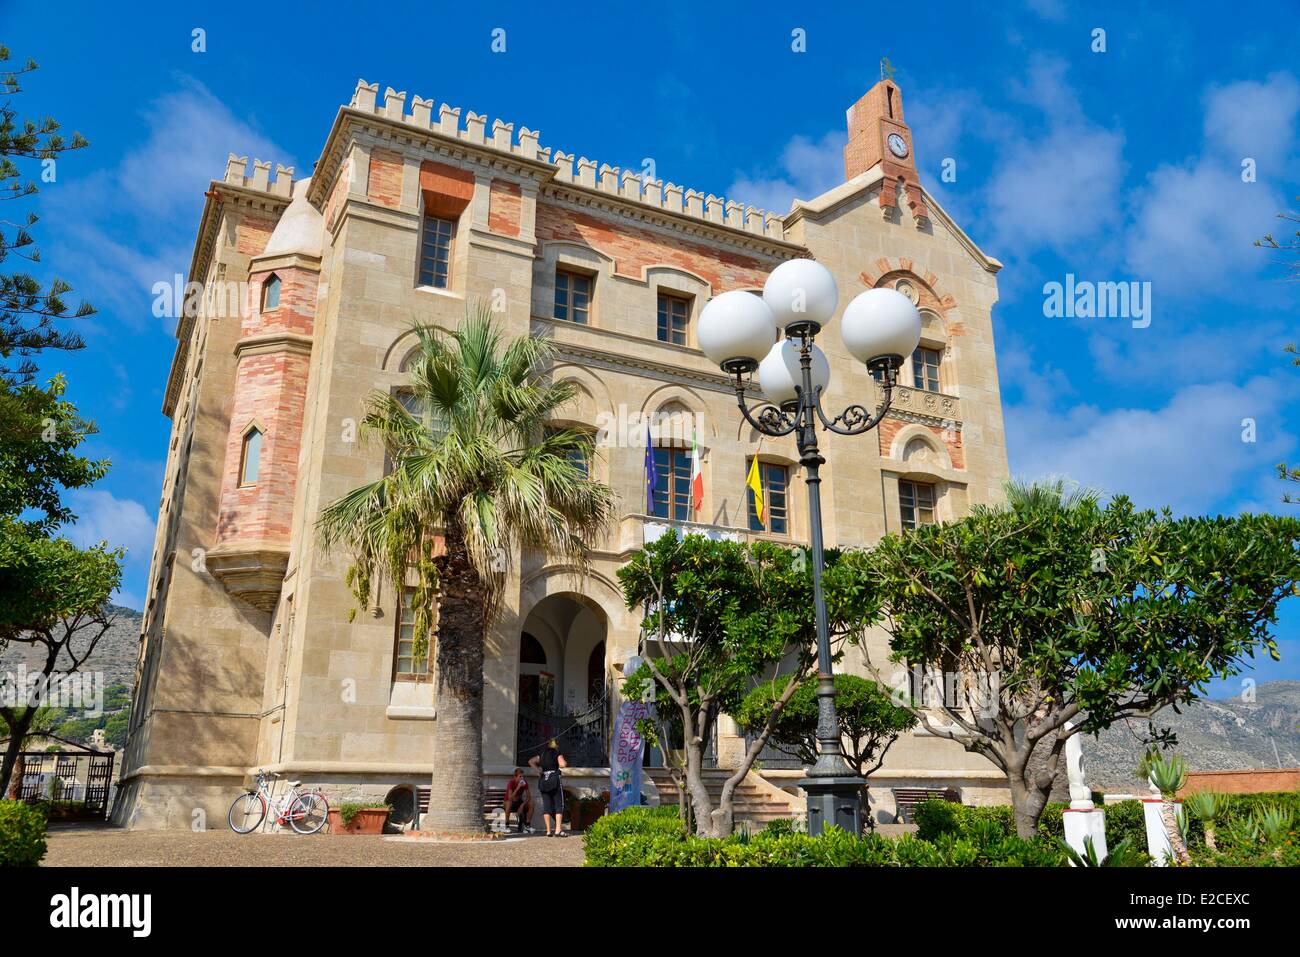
x,y
655,837
22,834
936,818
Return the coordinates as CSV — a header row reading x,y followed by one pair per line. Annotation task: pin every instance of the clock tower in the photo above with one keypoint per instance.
x,y
878,135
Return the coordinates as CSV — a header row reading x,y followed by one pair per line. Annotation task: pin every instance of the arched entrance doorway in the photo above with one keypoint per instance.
x,y
562,681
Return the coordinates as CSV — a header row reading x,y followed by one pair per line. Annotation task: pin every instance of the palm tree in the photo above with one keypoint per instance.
x,y
1048,495
474,473
1169,775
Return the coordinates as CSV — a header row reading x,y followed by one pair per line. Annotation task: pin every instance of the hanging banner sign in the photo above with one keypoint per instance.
x,y
626,755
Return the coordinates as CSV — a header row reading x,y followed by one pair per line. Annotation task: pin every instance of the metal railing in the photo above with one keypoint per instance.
x,y
78,782
583,735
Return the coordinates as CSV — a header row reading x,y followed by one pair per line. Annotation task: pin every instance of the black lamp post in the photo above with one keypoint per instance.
x,y
879,327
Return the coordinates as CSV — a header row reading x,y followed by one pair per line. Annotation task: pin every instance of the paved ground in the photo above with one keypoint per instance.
x,y
100,845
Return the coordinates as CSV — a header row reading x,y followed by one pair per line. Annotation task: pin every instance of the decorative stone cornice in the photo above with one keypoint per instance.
x,y
252,573
271,342
624,362
919,405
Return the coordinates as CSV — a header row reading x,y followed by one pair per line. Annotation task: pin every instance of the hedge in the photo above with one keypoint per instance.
x,y
936,818
655,837
1124,820
22,834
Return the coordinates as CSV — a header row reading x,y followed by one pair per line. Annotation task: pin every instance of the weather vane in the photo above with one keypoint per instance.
x,y
886,69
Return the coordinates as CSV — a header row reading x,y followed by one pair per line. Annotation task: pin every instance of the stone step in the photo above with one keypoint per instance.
x,y
750,804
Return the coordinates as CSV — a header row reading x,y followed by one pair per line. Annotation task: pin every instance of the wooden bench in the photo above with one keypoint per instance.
x,y
494,799
906,799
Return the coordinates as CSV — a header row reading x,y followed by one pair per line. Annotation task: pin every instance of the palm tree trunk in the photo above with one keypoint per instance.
x,y
1169,817
456,796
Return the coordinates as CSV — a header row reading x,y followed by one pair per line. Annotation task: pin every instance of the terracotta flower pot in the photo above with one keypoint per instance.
x,y
368,820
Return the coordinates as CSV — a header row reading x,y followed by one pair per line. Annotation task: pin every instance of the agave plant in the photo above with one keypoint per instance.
x,y
1244,831
1121,855
1168,775
1209,807
1274,823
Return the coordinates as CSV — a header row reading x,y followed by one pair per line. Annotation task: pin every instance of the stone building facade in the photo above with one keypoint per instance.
x,y
306,292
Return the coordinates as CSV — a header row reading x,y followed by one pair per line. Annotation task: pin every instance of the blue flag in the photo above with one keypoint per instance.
x,y
651,476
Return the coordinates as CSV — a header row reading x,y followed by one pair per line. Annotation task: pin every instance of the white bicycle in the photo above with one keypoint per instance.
x,y
305,811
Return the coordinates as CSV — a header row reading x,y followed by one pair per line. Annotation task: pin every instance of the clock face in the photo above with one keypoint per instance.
x,y
897,145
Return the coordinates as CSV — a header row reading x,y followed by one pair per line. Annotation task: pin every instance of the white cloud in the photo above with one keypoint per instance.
x,y
1256,119
1057,181
102,516
1053,10
1195,222
130,226
1195,228
1167,352
808,169
1189,454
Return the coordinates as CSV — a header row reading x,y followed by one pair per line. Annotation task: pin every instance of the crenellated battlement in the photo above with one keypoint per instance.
x,y
584,173
260,180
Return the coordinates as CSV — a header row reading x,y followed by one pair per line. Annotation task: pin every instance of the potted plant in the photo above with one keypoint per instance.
x,y
585,811
351,818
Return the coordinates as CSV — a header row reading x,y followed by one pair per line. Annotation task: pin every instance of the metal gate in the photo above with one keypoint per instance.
x,y
76,784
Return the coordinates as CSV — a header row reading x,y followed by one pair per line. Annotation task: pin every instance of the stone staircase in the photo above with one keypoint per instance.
x,y
753,803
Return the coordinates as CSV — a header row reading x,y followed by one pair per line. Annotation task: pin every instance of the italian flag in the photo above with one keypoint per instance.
x,y
697,475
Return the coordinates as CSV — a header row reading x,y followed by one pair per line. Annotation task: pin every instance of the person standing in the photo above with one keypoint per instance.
x,y
549,763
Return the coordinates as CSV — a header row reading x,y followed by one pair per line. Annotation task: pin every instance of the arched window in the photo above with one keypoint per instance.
x,y
270,293
250,457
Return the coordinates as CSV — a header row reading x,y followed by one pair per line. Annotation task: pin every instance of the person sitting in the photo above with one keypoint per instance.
x,y
519,798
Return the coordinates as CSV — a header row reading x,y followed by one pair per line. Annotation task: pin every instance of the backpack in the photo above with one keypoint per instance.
x,y
550,782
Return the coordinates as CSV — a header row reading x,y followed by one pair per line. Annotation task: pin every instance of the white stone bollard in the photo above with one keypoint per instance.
x,y
1158,845
1082,818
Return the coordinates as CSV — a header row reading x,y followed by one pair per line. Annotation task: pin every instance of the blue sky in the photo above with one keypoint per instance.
x,y
1122,165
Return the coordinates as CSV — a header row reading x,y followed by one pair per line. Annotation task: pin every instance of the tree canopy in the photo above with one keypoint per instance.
x,y
720,617
869,719
1054,610
29,312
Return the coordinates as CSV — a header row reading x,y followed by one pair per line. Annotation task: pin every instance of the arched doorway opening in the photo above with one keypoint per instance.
x,y
562,681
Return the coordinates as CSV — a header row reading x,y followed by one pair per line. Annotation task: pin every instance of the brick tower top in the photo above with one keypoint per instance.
x,y
878,135
877,132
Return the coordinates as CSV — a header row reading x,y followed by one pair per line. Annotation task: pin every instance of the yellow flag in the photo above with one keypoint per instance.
x,y
755,484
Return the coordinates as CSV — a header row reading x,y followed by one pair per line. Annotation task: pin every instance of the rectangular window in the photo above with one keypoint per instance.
x,y
916,502
776,480
577,458
672,496
674,314
925,368
435,251
408,666
572,297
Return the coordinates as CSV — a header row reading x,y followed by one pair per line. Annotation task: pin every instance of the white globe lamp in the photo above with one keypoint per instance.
x,y
801,293
880,326
780,372
736,330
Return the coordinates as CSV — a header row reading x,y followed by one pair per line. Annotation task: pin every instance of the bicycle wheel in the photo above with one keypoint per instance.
x,y
247,813
308,813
